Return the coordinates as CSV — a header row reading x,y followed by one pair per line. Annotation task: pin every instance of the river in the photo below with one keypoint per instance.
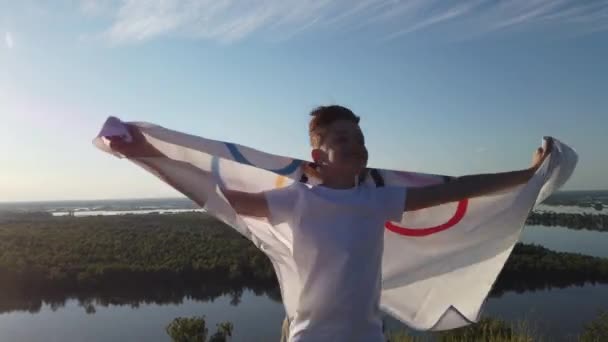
x,y
555,313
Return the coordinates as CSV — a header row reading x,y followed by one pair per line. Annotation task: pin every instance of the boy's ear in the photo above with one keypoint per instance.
x,y
318,155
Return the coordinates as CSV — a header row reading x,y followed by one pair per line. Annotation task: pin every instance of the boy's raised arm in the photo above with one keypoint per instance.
x,y
473,185
244,203
248,203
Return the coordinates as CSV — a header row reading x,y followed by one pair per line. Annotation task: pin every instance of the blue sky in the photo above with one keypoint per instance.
x,y
450,87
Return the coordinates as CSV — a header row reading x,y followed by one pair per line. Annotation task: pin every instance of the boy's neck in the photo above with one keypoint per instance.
x,y
338,182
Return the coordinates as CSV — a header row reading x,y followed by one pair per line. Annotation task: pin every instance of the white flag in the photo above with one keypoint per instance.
x,y
439,263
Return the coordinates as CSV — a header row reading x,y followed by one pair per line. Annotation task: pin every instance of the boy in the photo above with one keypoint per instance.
x,y
338,225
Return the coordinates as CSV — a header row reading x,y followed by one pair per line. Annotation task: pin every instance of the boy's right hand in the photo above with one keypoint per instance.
x,y
541,154
138,147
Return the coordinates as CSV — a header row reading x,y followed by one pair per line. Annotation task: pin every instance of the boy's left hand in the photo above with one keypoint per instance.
x,y
137,148
541,154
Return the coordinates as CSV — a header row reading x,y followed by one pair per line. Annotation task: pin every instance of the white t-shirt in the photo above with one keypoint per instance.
x,y
337,247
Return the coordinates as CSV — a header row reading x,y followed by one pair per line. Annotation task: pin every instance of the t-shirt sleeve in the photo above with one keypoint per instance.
x,y
391,201
281,203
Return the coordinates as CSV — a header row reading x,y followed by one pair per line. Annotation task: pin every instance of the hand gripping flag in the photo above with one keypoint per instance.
x,y
439,263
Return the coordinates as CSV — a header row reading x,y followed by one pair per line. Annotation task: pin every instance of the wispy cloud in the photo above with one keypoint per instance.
x,y
98,7
231,20
8,39
440,16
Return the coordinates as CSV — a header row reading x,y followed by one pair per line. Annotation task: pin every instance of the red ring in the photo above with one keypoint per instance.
x,y
458,215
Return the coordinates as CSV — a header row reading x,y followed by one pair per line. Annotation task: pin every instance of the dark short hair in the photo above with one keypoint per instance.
x,y
324,116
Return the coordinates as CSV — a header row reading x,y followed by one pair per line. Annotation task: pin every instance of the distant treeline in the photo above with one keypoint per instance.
x,y
532,267
573,221
598,222
144,257
585,198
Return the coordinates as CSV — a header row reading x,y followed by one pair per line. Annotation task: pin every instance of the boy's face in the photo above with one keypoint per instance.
x,y
343,149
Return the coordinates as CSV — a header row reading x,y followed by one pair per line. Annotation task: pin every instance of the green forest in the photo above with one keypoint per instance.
x,y
596,222
85,250
97,251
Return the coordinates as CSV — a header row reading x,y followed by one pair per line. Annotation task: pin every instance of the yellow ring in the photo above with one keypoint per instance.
x,y
280,181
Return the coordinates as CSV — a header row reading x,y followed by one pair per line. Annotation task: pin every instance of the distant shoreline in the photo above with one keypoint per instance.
x,y
557,195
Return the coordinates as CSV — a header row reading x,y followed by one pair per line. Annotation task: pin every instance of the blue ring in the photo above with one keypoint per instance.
x,y
239,157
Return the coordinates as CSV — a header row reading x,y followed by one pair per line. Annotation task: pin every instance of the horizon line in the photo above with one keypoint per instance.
x,y
186,198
